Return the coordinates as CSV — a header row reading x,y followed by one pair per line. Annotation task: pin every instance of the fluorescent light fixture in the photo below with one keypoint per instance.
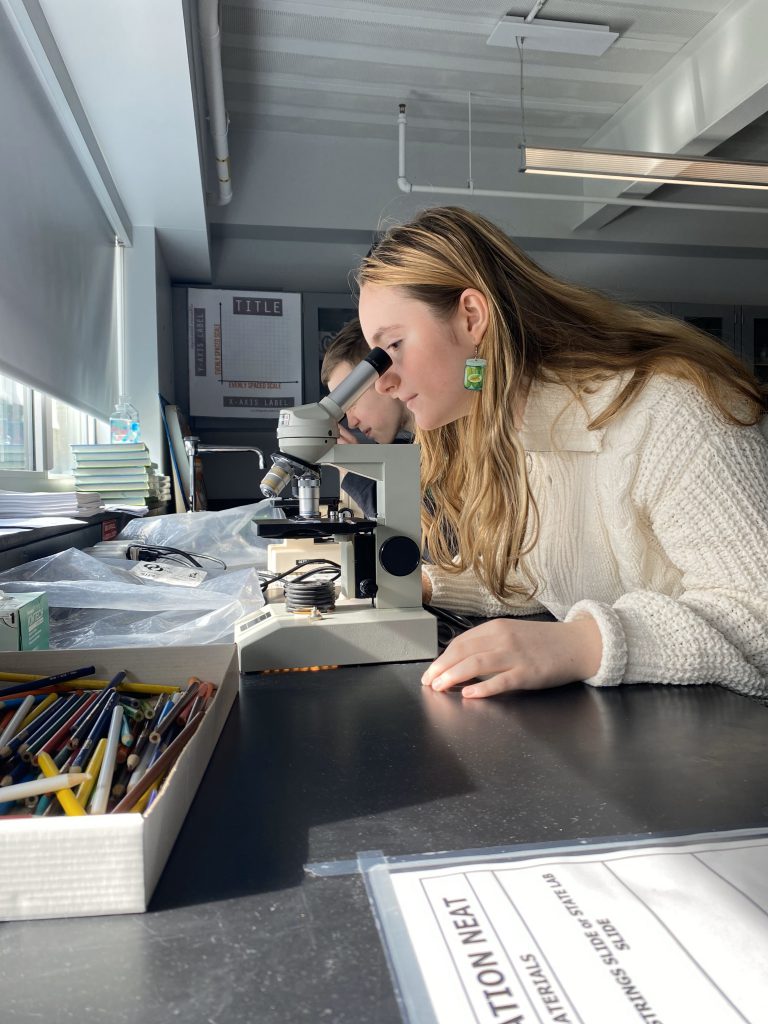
x,y
657,167
553,36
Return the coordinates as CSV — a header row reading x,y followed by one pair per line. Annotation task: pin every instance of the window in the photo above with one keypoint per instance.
x,y
16,449
36,432
66,426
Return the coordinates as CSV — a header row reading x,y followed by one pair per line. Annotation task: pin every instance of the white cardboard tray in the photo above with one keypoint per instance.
x,y
110,863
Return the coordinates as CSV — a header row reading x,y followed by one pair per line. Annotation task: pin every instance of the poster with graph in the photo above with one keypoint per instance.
x,y
244,352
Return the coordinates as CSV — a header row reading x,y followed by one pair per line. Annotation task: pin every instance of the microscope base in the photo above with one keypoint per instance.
x,y
352,634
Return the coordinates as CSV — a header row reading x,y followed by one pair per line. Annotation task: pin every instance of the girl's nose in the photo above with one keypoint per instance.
x,y
352,418
386,383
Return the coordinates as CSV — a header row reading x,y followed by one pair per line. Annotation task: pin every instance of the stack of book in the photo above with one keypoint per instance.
x,y
119,472
49,503
159,485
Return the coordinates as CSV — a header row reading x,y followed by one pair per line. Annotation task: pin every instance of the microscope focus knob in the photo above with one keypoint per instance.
x,y
368,588
399,556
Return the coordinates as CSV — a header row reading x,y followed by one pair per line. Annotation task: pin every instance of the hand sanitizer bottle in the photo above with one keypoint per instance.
x,y
124,427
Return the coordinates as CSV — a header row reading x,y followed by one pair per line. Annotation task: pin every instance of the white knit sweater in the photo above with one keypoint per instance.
x,y
656,526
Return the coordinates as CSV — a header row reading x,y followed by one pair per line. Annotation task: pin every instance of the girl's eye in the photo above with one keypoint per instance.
x,y
393,346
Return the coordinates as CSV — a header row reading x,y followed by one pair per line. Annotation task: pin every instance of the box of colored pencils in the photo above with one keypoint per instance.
x,y
101,753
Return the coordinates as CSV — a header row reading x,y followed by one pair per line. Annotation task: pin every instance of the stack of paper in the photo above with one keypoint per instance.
x,y
49,503
119,472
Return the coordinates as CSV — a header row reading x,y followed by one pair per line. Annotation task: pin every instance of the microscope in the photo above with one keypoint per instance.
x,y
378,616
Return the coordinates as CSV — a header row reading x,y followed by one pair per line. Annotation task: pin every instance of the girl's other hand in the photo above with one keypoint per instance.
x,y
511,654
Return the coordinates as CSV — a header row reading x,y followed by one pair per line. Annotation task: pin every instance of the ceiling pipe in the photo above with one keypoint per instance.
x,y
218,122
406,186
534,11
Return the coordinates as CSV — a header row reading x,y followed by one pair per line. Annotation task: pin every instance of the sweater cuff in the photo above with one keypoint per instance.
x,y
445,589
614,661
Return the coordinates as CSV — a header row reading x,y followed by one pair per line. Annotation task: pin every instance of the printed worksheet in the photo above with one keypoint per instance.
x,y
662,934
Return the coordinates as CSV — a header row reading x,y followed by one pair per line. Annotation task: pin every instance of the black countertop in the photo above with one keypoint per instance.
x,y
312,768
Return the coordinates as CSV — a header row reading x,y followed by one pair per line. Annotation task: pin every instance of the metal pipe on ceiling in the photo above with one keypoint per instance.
x,y
218,122
406,186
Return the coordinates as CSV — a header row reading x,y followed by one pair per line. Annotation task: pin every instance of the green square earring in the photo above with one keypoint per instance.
x,y
474,373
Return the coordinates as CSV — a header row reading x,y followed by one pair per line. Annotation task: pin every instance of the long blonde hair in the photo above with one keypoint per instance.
x,y
479,511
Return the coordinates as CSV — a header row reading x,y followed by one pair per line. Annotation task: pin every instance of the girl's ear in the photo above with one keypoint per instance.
x,y
472,316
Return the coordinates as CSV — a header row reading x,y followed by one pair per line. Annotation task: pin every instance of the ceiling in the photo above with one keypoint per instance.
x,y
341,68
312,89
325,68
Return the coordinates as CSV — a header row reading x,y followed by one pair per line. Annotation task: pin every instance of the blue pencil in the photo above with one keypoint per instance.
x,y
99,729
53,716
16,774
82,728
28,749
39,684
54,708
16,702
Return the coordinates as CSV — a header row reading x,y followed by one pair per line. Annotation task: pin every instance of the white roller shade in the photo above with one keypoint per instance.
x,y
57,330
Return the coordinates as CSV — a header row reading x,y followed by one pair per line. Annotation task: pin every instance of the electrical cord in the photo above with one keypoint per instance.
x,y
154,552
298,579
449,624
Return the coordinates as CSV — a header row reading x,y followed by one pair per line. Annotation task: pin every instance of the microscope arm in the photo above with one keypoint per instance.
x,y
306,433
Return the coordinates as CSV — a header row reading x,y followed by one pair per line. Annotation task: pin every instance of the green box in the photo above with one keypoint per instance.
x,y
23,622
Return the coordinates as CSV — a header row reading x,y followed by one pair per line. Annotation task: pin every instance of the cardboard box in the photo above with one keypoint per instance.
x,y
110,863
23,622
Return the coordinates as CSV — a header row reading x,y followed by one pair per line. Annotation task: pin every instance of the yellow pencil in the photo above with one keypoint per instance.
x,y
65,796
44,703
89,683
84,790
147,688
141,804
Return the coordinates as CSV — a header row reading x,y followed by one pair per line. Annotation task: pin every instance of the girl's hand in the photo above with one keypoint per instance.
x,y
511,654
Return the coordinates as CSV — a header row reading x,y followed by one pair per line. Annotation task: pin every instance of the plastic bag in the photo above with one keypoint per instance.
x,y
229,534
97,605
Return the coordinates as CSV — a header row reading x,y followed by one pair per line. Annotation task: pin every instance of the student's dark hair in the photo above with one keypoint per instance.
x,y
349,346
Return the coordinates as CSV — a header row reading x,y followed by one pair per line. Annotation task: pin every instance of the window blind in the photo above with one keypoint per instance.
x,y
57,317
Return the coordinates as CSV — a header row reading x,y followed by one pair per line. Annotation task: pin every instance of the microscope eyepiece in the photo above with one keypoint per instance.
x,y
379,360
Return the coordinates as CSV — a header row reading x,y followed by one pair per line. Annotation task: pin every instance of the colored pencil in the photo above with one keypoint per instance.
x,y
135,756
85,789
65,797
38,786
36,682
42,726
97,731
13,744
167,720
160,766
29,748
16,719
100,798
41,708
60,736
42,681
